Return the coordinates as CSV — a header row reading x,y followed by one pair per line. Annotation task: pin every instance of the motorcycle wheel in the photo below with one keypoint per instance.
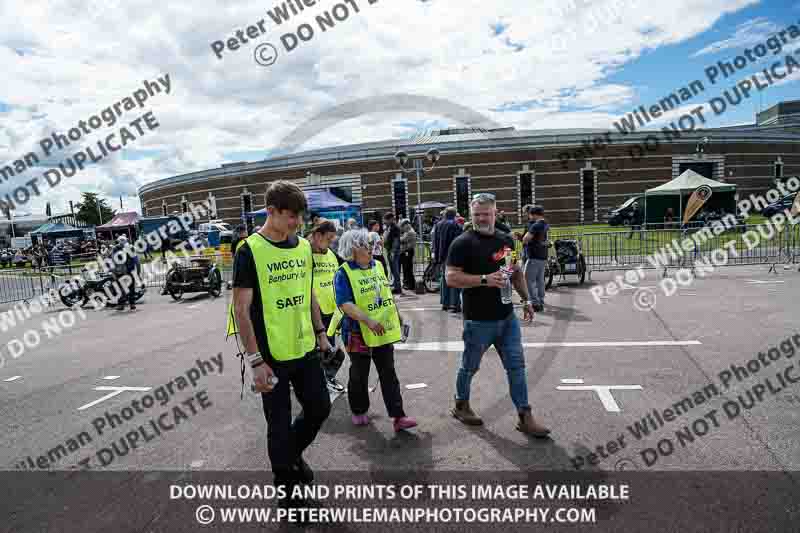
x,y
581,270
175,292
71,298
549,274
215,288
108,291
431,278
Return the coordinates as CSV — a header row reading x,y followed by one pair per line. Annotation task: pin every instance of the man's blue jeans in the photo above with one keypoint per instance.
x,y
506,337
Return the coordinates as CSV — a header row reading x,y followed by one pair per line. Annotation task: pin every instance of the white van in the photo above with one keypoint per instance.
x,y
225,229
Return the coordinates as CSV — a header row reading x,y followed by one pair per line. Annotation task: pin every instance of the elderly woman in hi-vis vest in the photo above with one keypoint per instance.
x,y
370,324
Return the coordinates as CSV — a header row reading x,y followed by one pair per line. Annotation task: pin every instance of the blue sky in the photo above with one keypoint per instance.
x,y
658,72
542,65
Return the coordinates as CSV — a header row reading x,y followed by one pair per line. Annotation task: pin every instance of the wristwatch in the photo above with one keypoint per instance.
x,y
484,281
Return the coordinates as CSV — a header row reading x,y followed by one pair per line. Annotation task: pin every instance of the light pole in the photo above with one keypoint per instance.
x,y
433,156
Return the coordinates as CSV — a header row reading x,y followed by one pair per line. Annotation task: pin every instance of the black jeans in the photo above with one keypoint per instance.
x,y
394,264
407,263
331,366
286,440
358,386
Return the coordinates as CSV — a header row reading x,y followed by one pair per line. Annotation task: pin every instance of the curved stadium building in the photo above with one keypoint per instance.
x,y
577,175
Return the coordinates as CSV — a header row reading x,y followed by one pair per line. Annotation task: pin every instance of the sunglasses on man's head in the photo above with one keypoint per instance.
x,y
483,196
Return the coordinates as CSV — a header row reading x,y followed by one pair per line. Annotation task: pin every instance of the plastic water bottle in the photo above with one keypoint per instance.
x,y
505,292
508,270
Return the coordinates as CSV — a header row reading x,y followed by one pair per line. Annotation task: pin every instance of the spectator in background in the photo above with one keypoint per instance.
x,y
391,240
501,223
637,218
669,217
239,236
351,224
130,266
408,242
376,241
447,230
535,241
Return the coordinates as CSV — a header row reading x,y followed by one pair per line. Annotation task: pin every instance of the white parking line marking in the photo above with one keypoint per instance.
x,y
457,346
416,386
575,381
13,378
762,282
195,306
116,391
111,377
604,392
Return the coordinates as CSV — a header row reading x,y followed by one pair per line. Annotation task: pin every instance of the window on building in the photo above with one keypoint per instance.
x,y
399,192
164,209
462,195
247,204
778,171
184,206
587,177
525,189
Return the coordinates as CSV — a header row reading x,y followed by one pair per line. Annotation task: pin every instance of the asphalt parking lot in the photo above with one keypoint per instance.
x,y
651,360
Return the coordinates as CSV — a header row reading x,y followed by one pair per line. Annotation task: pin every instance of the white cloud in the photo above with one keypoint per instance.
x,y
75,62
751,32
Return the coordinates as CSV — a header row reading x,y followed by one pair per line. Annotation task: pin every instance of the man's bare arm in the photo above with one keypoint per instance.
x,y
458,279
316,314
518,281
527,238
242,299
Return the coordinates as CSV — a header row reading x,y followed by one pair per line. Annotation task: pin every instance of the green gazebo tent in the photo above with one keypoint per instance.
x,y
676,193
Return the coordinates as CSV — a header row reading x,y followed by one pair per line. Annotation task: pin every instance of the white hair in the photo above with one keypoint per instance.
x,y
354,238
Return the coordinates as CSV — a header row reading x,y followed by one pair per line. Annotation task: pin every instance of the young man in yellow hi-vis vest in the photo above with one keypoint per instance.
x,y
326,263
280,326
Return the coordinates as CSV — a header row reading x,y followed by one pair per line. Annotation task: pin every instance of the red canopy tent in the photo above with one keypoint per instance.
x,y
121,223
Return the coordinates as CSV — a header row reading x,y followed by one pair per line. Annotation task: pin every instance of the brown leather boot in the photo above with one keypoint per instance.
x,y
465,414
529,426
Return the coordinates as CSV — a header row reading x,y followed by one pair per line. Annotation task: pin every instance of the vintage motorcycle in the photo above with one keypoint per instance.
x,y
567,259
79,290
200,275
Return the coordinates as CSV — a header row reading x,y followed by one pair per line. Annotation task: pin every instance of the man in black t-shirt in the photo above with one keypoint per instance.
x,y
474,264
536,243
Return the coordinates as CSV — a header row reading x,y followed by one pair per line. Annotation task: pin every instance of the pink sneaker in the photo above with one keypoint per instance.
x,y
404,423
360,420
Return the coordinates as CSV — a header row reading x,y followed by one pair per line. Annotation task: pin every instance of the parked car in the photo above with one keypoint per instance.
x,y
623,215
778,207
224,229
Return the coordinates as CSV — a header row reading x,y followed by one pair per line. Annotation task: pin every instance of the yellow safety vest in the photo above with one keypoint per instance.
x,y
325,266
364,284
284,281
233,329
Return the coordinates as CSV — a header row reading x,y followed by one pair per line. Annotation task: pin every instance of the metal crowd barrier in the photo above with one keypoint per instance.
x,y
669,248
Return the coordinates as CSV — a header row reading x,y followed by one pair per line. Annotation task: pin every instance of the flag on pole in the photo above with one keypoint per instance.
x,y
699,197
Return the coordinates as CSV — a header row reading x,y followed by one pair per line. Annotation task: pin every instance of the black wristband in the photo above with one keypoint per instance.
x,y
257,364
318,331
